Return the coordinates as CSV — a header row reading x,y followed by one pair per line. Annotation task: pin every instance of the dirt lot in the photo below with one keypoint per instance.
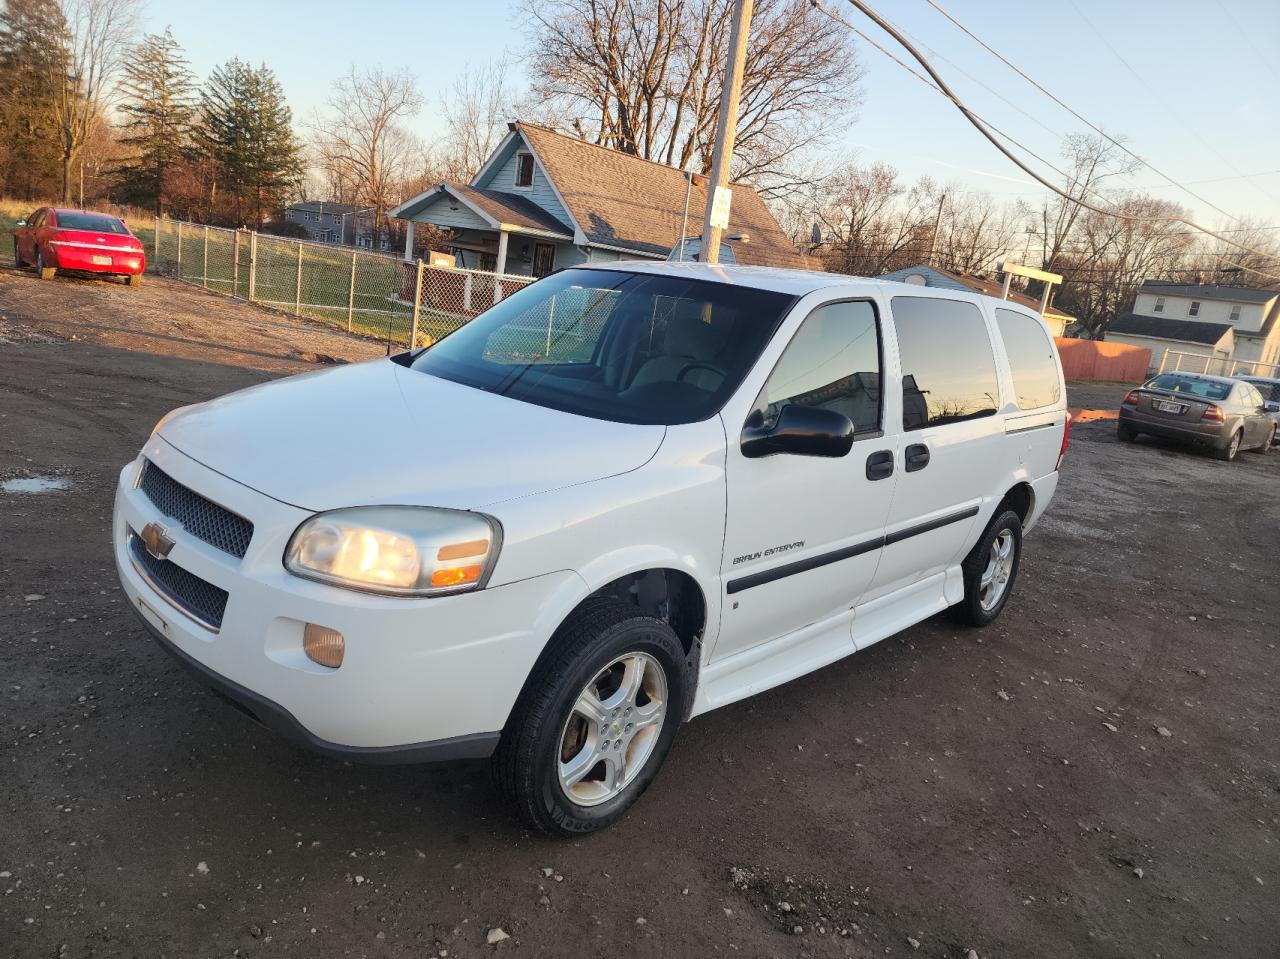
x,y
1095,775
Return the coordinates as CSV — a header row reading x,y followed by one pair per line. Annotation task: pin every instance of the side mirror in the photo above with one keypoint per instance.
x,y
801,431
1271,406
21,223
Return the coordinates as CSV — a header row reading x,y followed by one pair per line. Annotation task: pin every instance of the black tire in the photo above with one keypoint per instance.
x,y
1228,452
970,610
17,258
42,271
1265,446
133,279
526,764
1126,434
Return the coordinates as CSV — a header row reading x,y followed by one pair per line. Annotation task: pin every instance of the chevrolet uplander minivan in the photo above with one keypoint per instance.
x,y
623,496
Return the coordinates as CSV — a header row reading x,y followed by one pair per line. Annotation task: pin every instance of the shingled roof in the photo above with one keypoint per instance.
x,y
1166,328
510,208
623,201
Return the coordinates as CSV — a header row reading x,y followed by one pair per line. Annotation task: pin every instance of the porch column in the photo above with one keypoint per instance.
x,y
408,241
501,266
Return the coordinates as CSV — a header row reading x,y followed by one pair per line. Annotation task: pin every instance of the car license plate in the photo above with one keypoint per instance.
x,y
101,260
1164,407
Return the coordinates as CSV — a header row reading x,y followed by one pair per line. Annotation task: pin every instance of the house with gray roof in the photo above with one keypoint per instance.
x,y
544,201
1237,328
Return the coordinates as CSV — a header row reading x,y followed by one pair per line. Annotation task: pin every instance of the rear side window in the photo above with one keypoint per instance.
x,y
948,368
832,362
1035,369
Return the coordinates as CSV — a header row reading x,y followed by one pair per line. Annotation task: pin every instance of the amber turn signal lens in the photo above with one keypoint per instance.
x,y
323,645
455,576
477,547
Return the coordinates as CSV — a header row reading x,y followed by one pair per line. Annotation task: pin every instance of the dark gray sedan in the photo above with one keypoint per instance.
x,y
1222,414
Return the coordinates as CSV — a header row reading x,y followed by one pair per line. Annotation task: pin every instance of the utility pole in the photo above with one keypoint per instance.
x,y
937,224
716,217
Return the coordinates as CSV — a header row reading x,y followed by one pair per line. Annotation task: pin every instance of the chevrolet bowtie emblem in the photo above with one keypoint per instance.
x,y
156,541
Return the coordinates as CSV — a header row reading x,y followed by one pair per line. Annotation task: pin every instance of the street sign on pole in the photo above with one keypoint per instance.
x,y
720,201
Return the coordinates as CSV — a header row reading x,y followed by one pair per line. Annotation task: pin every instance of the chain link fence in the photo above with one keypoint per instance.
x,y
1175,361
371,294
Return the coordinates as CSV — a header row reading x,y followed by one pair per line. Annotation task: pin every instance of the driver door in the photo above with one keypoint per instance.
x,y
804,533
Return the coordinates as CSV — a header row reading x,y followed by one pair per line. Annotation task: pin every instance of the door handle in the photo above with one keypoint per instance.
x,y
880,465
917,457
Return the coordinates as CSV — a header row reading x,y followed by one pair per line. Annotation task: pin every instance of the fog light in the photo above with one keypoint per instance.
x,y
323,645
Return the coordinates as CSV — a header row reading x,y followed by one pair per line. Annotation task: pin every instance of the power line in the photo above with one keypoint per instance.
x,y
988,130
1093,126
1194,132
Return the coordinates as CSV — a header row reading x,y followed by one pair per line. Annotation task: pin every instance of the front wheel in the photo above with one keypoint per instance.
x,y
17,257
595,720
1268,442
990,570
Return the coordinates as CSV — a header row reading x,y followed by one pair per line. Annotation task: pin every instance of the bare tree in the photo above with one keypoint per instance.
x,y
361,141
476,107
644,77
1091,161
100,34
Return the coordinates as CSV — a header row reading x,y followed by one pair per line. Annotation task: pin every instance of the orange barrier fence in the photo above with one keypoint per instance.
x,y
1098,360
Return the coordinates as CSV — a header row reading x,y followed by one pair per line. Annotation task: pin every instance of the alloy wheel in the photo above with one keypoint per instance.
x,y
612,729
995,578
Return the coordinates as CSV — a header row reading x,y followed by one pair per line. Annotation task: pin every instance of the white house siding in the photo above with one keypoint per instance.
x,y
1157,347
502,176
1211,311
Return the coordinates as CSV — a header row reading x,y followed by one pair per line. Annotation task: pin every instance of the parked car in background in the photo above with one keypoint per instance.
x,y
1269,387
633,494
1216,412
53,239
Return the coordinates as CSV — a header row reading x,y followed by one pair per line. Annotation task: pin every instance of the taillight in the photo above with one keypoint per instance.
x,y
1213,414
1066,441
1130,398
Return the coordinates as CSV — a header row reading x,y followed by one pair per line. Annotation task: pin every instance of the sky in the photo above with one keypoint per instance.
x,y
1192,87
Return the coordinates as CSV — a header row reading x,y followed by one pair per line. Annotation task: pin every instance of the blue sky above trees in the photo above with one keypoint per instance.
x,y
1195,93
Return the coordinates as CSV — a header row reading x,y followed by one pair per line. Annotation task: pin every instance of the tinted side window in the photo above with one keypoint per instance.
x,y
832,362
948,369
1035,371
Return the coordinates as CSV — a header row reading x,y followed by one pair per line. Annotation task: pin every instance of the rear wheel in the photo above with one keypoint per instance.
x,y
1228,452
1126,434
133,279
595,720
990,570
44,272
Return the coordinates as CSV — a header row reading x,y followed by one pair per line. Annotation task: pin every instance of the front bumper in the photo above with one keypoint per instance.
x,y
421,679
1207,434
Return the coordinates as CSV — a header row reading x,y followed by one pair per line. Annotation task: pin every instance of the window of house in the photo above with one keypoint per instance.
x,y
948,367
1035,370
1194,309
832,362
524,169
1235,312
1159,307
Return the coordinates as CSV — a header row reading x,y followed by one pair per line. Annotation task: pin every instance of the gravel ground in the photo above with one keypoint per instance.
x,y
1095,775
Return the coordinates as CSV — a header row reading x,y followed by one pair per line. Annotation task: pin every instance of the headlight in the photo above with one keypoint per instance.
x,y
397,550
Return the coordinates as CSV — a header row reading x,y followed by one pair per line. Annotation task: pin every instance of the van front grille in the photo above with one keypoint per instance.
x,y
198,598
202,518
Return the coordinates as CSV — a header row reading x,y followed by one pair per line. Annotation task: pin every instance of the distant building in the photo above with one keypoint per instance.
x,y
544,201
324,222
924,275
1234,327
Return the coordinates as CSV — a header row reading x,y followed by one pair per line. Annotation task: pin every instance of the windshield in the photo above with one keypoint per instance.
x,y
96,222
626,347
1200,389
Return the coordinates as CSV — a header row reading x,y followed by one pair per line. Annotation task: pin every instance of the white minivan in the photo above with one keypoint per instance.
x,y
623,496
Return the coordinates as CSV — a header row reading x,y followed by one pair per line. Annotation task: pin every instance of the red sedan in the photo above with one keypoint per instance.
x,y
52,239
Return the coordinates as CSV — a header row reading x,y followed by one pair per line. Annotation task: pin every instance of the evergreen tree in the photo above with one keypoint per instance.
x,y
247,128
157,115
34,58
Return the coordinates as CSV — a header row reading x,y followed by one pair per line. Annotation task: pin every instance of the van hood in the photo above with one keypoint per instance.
x,y
377,433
